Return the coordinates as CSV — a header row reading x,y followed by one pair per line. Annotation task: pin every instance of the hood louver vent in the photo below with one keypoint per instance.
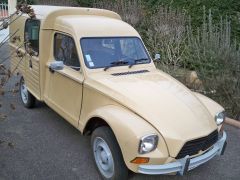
x,y
131,72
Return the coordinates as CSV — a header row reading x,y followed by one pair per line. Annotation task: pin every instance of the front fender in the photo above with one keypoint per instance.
x,y
212,106
128,129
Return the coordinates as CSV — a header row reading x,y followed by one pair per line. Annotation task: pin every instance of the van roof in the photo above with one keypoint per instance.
x,y
84,22
94,26
43,12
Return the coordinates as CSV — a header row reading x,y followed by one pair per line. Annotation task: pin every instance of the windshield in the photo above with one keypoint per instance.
x,y
106,52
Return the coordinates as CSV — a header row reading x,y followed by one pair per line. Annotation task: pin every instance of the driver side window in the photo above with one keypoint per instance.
x,y
65,50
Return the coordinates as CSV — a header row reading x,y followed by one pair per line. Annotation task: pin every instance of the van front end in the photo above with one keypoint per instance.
x,y
181,166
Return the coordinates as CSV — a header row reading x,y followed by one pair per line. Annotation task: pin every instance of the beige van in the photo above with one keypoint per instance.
x,y
94,70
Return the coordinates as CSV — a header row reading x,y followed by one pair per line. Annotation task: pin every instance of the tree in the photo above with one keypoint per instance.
x,y
27,1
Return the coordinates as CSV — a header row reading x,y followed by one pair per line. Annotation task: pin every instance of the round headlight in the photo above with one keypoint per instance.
x,y
219,118
148,143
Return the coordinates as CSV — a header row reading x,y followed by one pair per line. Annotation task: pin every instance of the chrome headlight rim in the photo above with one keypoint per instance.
x,y
145,139
220,117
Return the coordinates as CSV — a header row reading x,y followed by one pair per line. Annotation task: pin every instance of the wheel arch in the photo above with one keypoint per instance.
x,y
93,123
127,128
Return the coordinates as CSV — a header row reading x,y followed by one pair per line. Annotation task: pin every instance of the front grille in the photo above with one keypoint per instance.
x,y
194,146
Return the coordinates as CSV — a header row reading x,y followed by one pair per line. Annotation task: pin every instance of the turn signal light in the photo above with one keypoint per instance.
x,y
140,160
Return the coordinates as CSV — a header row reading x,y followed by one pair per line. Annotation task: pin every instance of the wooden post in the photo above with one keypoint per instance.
x,y
11,6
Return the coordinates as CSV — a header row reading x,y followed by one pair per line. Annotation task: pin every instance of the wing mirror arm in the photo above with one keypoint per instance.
x,y
56,66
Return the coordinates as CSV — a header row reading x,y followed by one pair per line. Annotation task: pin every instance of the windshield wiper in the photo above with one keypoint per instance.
x,y
138,61
116,63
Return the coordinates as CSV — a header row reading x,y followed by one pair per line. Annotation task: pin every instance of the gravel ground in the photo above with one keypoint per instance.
x,y
39,144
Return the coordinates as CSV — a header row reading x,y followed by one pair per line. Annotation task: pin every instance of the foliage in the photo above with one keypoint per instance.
x,y
216,58
4,1
27,1
6,73
131,11
85,3
194,8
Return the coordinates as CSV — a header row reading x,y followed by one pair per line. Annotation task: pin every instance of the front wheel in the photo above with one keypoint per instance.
x,y
107,154
27,98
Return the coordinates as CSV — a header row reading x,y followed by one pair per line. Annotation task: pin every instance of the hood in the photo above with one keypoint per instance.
x,y
165,103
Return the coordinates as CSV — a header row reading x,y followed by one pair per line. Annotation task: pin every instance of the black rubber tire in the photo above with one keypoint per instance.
x,y
120,169
31,100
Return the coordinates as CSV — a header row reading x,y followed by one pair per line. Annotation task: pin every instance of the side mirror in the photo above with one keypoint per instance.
x,y
157,57
56,65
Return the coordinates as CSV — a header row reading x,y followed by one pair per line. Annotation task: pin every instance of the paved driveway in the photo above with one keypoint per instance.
x,y
39,144
3,34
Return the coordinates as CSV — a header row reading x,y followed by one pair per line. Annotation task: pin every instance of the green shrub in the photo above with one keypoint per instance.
x,y
3,1
194,8
216,58
28,1
85,3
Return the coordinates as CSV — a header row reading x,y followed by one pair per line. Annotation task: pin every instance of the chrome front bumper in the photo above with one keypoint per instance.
x,y
183,165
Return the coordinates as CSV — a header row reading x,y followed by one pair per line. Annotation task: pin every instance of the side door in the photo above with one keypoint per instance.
x,y
65,87
31,40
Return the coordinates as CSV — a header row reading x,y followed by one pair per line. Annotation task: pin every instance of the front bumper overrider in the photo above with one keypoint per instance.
x,y
185,164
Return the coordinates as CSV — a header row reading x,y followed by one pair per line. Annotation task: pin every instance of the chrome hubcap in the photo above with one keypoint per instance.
x,y
103,157
24,92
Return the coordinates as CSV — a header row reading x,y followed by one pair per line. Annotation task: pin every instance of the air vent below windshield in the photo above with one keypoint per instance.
x,y
130,72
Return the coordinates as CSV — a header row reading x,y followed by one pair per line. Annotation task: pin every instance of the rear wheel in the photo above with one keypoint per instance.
x,y
107,154
27,98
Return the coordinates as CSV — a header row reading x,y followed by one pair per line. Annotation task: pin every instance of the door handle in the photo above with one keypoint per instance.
x,y
30,63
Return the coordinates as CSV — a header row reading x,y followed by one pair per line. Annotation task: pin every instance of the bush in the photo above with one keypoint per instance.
x,y
85,3
3,1
28,1
130,11
216,58
194,8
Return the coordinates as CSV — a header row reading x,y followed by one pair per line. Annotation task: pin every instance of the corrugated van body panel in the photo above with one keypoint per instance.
x,y
27,66
32,75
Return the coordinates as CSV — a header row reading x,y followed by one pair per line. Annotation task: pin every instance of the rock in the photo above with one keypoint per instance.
x,y
192,81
